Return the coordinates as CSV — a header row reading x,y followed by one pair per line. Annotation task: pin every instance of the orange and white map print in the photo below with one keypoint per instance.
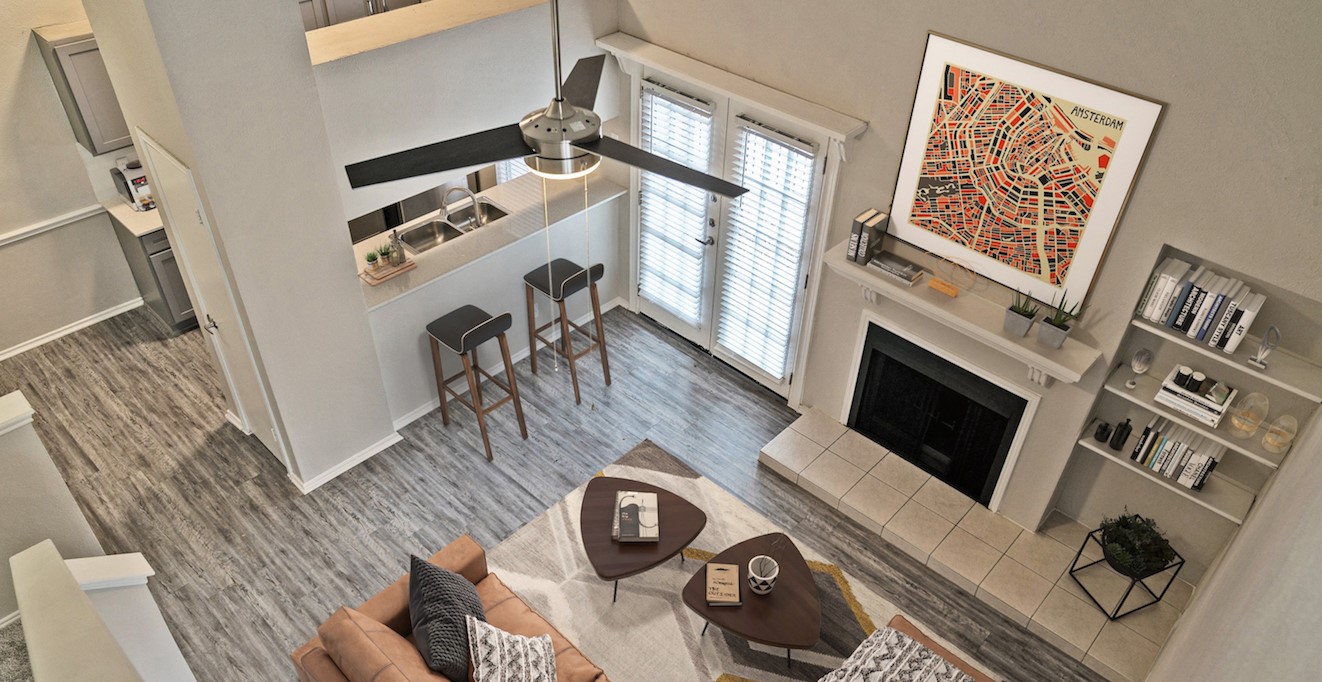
x,y
1012,173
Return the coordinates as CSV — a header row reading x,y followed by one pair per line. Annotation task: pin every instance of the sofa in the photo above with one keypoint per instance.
x,y
390,609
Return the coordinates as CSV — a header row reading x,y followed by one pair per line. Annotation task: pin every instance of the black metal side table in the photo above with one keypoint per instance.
x,y
1113,614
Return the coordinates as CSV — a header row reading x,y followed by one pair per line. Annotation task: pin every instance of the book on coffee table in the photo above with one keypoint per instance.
x,y
723,585
636,517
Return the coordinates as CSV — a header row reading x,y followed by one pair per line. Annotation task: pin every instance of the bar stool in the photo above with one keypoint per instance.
x,y
564,279
462,331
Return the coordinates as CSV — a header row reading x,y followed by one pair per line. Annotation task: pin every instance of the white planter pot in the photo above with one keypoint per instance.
x,y
1050,335
1016,324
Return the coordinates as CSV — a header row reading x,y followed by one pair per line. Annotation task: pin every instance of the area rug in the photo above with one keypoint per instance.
x,y
14,666
649,634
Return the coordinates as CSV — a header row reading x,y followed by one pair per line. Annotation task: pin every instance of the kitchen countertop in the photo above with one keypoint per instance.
x,y
138,223
522,197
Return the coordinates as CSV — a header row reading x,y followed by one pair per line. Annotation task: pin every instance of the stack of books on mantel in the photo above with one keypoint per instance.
x,y
1206,406
1177,453
636,517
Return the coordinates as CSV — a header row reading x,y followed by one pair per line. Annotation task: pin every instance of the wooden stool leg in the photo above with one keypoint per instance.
x,y
601,334
440,379
532,327
514,384
477,403
568,344
477,375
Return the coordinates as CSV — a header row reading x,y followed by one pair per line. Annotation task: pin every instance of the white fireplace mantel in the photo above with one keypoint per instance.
x,y
974,317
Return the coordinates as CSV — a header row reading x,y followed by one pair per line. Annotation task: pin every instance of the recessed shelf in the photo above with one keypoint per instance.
x,y
1148,387
1284,369
1219,494
972,316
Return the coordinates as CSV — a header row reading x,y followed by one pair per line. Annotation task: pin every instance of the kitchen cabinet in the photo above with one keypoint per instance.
x,y
147,249
80,77
320,13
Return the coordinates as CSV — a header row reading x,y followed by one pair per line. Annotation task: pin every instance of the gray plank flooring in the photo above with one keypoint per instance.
x,y
247,567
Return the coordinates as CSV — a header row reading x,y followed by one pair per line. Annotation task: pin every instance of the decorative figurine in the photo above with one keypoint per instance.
x,y
1121,435
1103,432
1140,363
1271,339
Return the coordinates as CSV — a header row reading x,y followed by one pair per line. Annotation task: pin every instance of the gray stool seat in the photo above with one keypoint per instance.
x,y
468,327
566,278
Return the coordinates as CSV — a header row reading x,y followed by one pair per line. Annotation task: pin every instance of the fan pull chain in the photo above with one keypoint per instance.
x,y
546,220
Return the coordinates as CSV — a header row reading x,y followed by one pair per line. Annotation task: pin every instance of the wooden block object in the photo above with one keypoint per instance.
x,y
943,286
377,276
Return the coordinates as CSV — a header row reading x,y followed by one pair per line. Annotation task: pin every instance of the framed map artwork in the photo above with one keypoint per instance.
x,y
1018,171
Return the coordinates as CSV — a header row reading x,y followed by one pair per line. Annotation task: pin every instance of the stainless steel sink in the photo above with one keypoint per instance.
x,y
429,234
475,214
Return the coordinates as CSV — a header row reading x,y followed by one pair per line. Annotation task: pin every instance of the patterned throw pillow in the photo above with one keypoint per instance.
x,y
499,656
894,656
439,601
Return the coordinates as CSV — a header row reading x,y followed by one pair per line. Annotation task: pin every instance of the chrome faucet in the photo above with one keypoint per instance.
x,y
445,201
375,6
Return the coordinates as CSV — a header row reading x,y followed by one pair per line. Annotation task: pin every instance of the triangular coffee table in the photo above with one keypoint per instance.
x,y
678,520
789,616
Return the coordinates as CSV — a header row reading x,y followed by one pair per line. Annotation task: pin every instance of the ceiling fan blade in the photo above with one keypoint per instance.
x,y
614,149
580,87
487,146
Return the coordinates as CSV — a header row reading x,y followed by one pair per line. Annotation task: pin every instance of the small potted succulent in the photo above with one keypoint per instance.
x,y
383,255
1056,325
1134,546
1020,315
371,259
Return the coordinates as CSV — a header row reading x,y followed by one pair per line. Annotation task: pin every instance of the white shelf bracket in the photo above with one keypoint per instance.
x,y
1039,376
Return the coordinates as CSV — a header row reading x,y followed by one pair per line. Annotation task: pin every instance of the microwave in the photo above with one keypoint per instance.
x,y
130,179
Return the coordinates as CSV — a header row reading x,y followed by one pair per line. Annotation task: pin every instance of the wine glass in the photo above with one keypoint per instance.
x,y
1140,363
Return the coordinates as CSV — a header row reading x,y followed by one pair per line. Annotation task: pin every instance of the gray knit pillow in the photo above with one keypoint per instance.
x,y
499,656
439,602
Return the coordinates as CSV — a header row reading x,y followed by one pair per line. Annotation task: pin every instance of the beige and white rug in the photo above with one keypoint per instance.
x,y
649,634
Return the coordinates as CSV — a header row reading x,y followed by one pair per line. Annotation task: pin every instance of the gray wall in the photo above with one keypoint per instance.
x,y
1232,174
35,504
62,276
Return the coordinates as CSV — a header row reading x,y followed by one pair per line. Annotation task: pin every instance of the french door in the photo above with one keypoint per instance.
x,y
726,274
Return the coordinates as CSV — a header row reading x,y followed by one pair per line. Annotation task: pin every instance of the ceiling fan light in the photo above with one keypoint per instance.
x,y
563,169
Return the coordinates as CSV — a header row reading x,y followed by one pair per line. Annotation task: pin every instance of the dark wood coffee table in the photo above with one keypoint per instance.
x,y
679,521
790,616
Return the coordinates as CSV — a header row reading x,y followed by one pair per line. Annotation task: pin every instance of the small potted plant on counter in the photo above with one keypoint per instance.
x,y
1134,546
371,259
1020,315
1056,325
383,255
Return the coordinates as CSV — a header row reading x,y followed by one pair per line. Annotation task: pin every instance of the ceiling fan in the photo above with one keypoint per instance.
x,y
561,141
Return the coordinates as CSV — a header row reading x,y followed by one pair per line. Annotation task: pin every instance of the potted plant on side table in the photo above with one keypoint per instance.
x,y
1056,325
1020,315
1134,546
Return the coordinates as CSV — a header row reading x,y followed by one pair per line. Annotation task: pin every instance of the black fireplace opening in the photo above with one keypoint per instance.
x,y
946,420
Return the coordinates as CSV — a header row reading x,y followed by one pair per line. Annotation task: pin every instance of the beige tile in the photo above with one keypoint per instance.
x,y
1042,554
1012,584
1178,595
1106,586
1121,653
1070,533
790,453
918,527
949,503
860,451
899,474
990,527
819,426
1153,622
830,477
963,559
872,503
1068,622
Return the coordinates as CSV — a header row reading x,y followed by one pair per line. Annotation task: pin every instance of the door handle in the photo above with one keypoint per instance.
x,y
211,325
706,242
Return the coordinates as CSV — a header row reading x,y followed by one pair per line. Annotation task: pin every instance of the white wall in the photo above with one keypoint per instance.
x,y
1232,174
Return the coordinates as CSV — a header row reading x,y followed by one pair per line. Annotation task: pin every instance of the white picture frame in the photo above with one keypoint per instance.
x,y
1081,231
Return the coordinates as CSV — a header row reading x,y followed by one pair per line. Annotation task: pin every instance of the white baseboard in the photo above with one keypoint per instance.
x,y
325,477
518,356
6,621
238,423
70,328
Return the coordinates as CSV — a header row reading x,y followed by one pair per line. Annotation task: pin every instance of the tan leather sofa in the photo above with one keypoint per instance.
x,y
390,607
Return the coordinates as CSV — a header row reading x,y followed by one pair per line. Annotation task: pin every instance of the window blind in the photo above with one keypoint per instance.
x,y
673,215
509,169
764,239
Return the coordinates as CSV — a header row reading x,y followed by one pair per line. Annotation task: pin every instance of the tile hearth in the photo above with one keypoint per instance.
x,y
1022,574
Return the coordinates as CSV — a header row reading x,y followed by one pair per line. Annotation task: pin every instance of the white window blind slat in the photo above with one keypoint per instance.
x,y
509,169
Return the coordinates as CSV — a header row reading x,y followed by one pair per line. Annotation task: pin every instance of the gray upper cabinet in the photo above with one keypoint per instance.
x,y
84,87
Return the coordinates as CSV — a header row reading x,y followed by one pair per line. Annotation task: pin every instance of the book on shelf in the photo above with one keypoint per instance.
x,y
636,517
1217,289
869,241
1143,438
1152,288
1182,312
897,267
1214,339
1247,313
1173,278
1218,305
1176,453
856,232
723,585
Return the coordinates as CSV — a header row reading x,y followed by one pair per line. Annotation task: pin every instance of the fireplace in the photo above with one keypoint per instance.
x,y
948,421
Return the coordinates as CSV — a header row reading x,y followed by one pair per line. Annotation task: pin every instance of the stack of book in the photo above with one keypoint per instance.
x,y
636,517
905,271
1177,453
723,585
865,236
1207,405
1204,306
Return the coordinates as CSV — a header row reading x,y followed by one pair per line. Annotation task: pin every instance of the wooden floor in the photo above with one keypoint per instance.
x,y
247,567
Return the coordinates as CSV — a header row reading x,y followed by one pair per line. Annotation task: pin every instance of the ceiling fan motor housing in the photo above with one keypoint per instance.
x,y
554,131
